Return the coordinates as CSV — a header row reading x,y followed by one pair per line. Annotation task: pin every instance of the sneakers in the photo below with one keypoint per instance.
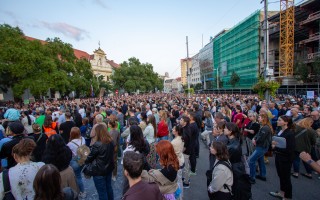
x,y
193,173
114,178
186,185
82,195
276,194
252,180
261,178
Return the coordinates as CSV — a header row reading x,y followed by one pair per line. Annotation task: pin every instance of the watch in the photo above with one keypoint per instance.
x,y
310,161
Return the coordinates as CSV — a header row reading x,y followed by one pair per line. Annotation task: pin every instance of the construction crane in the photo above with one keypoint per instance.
x,y
286,47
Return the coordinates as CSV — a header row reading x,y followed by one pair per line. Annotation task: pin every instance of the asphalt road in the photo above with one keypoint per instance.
x,y
303,188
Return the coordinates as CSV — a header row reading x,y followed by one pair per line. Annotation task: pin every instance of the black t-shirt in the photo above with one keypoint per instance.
x,y
253,126
65,129
41,142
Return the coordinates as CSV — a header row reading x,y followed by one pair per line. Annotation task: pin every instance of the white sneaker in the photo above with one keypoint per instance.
x,y
82,195
114,178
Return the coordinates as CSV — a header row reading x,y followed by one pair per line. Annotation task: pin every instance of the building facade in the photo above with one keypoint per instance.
x,y
184,64
195,70
237,50
172,85
206,65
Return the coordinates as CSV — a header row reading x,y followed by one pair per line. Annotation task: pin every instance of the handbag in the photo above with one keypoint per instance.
x,y
6,186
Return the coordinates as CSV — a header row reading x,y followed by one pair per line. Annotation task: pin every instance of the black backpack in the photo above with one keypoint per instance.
x,y
241,188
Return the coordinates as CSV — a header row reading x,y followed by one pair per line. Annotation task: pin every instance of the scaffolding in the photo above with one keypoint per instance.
x,y
286,50
238,50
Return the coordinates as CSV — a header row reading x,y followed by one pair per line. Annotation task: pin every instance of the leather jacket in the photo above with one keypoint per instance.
x,y
264,137
100,160
234,149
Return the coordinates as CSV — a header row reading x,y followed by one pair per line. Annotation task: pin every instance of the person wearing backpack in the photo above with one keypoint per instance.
x,y
222,176
77,142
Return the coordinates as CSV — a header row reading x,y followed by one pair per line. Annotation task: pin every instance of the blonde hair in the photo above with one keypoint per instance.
x,y
305,123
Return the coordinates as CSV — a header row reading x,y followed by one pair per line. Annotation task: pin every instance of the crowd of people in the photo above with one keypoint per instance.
x,y
156,138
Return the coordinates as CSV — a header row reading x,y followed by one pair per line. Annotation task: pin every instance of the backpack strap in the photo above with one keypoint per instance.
x,y
301,132
228,165
39,137
6,181
76,143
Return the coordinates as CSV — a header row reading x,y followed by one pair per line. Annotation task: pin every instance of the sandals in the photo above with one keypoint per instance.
x,y
276,194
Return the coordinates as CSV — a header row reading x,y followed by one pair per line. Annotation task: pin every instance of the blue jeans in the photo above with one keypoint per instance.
x,y
77,171
257,155
103,186
163,138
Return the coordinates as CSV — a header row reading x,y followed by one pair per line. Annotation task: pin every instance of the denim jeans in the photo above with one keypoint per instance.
x,y
103,186
257,155
296,164
163,138
77,171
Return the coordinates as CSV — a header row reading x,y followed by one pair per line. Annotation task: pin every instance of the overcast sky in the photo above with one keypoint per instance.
x,y
153,31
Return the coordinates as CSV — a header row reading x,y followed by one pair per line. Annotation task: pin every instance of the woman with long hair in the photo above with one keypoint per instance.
x,y
100,163
262,141
115,134
150,134
284,157
166,178
49,127
234,148
76,141
163,128
178,146
21,175
305,138
60,155
143,122
222,177
47,185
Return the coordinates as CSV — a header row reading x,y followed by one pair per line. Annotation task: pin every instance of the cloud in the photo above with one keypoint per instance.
x,y
100,3
67,30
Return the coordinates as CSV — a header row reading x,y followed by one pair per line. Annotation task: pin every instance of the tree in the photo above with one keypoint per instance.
x,y
234,79
39,67
302,70
134,75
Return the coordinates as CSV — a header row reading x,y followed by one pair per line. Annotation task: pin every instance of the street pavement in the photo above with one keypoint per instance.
x,y
303,188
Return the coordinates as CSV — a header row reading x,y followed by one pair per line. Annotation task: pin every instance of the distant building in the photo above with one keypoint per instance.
x,y
195,70
172,85
183,64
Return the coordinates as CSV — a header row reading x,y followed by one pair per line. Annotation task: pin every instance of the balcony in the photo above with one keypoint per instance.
x,y
312,17
312,38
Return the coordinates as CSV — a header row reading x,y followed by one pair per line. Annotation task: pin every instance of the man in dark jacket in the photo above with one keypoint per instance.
x,y
133,165
16,129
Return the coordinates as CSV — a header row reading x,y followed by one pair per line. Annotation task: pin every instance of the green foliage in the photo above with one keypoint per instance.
x,y
234,79
261,86
187,90
134,75
197,86
29,64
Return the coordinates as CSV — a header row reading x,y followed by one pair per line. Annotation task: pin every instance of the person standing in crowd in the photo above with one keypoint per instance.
x,y
198,120
65,127
305,138
284,157
178,145
16,130
218,136
163,129
250,131
60,155
222,176
27,122
194,135
21,175
75,142
47,185
234,148
115,134
208,127
150,134
166,177
41,141
133,166
261,141
143,122
100,162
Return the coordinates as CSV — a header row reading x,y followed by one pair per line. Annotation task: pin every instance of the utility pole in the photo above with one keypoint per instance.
x,y
266,47
188,73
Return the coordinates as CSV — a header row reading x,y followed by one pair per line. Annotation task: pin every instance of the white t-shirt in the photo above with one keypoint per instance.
x,y
21,180
73,147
